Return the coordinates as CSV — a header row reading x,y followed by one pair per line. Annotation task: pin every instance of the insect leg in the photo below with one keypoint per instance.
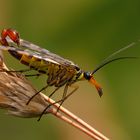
x,y
36,94
53,92
61,100
21,71
30,75
65,96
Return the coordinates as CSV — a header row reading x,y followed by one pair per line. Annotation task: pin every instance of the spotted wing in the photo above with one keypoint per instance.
x,y
29,49
43,53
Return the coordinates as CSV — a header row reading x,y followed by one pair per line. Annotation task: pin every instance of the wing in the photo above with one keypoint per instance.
x,y
29,48
41,52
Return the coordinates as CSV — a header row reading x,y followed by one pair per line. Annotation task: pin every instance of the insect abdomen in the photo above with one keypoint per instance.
x,y
23,58
31,61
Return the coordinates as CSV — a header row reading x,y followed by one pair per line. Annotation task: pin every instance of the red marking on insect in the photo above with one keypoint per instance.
x,y
12,34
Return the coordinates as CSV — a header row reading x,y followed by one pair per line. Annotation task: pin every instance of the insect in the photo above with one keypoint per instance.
x,y
60,72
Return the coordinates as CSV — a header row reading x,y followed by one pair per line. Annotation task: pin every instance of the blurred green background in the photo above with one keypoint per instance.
x,y
84,31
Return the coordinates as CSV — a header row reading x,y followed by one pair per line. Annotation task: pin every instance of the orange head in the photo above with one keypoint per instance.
x,y
89,76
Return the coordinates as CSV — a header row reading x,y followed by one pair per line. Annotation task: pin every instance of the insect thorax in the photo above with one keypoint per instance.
x,y
61,75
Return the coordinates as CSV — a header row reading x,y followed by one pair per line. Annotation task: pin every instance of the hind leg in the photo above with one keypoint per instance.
x,y
61,101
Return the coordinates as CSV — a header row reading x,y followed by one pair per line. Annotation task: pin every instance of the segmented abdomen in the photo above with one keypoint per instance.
x,y
58,75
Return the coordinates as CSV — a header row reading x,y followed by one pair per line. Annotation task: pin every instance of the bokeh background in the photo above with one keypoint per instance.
x,y
84,31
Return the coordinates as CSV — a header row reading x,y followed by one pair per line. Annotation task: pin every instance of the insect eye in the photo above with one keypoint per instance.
x,y
87,75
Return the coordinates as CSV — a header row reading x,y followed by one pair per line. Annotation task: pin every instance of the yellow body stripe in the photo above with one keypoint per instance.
x,y
25,59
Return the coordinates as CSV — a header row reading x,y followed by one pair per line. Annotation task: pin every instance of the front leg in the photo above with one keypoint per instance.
x,y
65,95
61,101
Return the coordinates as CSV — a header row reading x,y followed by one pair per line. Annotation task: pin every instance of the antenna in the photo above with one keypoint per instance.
x,y
109,60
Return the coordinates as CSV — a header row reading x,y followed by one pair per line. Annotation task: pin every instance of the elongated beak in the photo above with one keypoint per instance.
x,y
97,86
